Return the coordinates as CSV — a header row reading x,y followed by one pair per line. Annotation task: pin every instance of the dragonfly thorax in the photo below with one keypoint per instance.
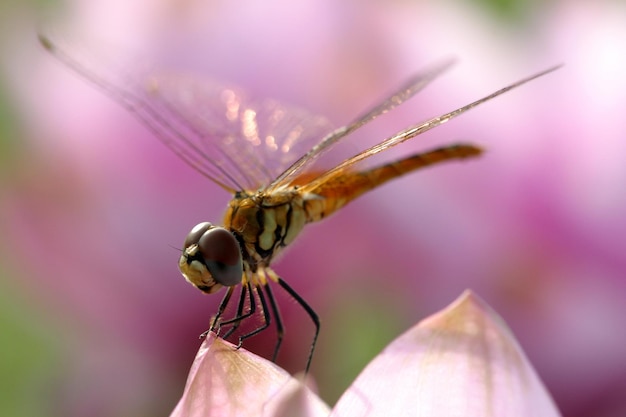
x,y
265,223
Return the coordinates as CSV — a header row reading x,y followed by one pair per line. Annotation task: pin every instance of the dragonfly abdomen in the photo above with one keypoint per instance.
x,y
334,193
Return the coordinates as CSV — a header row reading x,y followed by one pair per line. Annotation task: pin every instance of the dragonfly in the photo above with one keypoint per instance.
x,y
264,153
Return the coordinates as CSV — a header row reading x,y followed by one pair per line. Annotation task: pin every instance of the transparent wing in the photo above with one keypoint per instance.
x,y
412,86
259,142
413,131
238,143
253,141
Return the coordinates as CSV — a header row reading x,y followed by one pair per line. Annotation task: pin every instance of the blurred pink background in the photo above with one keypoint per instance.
x,y
95,317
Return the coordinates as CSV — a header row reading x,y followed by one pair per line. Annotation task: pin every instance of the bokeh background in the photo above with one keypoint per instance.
x,y
94,316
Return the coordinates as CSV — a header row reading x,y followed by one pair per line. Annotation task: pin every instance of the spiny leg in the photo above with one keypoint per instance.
x,y
280,332
312,314
266,317
220,311
240,316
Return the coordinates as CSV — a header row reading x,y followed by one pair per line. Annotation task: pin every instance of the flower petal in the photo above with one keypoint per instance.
x,y
225,381
462,361
296,400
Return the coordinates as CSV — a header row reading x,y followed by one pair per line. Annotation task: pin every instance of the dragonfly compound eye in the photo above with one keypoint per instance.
x,y
196,233
211,258
222,255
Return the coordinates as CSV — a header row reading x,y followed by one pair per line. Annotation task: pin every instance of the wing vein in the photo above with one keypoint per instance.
x,y
152,119
418,129
415,84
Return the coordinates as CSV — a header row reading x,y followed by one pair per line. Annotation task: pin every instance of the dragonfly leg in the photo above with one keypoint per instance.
x,y
312,314
220,311
266,317
240,316
280,331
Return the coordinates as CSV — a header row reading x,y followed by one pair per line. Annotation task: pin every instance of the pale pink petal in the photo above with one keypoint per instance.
x,y
296,400
224,381
462,361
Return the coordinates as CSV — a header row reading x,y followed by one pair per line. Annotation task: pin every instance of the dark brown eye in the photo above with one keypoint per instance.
x,y
220,252
196,233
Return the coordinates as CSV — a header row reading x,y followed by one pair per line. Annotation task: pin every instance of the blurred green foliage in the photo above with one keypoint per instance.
x,y
30,356
512,10
361,326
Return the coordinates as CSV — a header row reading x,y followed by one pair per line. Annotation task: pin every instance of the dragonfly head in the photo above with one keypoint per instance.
x,y
211,258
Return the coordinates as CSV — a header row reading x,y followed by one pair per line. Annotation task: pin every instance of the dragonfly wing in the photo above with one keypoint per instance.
x,y
253,140
407,90
413,131
234,141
